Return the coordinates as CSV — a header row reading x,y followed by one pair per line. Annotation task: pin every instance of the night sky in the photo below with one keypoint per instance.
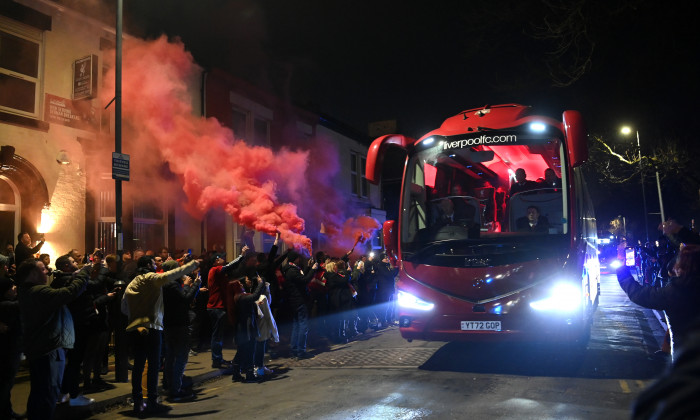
x,y
622,62
364,61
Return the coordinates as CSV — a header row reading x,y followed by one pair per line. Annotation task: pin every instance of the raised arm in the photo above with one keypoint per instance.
x,y
235,263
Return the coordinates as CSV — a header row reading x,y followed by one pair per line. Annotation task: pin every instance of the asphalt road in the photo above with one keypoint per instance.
x,y
381,376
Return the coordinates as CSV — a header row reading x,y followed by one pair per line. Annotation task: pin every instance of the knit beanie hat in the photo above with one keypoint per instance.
x,y
170,265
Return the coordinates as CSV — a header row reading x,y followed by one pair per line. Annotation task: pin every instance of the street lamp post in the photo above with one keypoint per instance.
x,y
627,131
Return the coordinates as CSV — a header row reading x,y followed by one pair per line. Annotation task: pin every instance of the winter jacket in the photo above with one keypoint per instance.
x,y
23,252
143,298
46,321
295,284
10,340
177,299
680,299
339,293
217,282
246,309
385,275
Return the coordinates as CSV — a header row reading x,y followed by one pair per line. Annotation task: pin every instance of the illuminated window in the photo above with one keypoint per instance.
x,y
20,68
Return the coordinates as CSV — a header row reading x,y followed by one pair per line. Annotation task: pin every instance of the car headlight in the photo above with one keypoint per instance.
x,y
563,297
407,300
615,264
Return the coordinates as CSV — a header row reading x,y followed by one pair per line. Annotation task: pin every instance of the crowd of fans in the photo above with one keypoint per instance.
x,y
158,309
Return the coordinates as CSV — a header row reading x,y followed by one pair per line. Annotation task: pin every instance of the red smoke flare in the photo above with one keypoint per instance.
x,y
253,184
217,169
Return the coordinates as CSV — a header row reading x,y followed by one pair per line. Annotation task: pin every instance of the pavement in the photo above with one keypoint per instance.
x,y
199,369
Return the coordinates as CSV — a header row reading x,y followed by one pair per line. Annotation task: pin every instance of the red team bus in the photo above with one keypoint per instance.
x,y
481,258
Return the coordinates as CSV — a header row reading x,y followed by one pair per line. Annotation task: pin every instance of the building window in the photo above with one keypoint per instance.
x,y
150,225
20,68
251,128
358,183
240,128
261,132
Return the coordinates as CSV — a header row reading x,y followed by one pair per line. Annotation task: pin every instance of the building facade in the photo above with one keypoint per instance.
x,y
57,140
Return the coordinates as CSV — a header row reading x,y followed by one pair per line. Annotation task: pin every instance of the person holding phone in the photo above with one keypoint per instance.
x,y
23,250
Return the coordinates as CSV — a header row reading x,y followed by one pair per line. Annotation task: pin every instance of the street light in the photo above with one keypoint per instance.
x,y
626,131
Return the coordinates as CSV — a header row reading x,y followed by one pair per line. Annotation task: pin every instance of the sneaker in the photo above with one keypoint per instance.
x,y
236,377
267,370
81,401
156,408
62,399
181,396
304,355
193,353
221,365
259,372
250,377
99,384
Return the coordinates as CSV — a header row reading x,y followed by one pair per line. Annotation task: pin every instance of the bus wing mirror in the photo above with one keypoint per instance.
x,y
576,135
377,151
391,240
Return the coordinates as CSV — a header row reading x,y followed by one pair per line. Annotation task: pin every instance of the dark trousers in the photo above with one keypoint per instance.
x,y
218,323
244,355
95,346
45,377
9,364
259,357
300,329
74,360
146,347
176,355
386,308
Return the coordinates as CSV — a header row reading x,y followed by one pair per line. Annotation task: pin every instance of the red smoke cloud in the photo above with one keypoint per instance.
x,y
216,169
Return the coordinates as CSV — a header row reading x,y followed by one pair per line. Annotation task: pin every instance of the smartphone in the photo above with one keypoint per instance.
x,y
629,257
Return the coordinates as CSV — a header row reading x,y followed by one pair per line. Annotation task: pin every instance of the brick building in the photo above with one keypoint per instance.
x,y
57,140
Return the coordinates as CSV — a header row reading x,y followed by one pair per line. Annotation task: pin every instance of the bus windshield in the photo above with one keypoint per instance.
x,y
490,198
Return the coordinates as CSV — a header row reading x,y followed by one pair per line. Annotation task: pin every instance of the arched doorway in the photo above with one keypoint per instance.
x,y
10,210
23,194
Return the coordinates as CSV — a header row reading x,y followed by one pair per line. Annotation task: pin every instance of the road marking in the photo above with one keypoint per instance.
x,y
625,387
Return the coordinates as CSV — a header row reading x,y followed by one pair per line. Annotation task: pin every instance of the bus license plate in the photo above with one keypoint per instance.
x,y
481,325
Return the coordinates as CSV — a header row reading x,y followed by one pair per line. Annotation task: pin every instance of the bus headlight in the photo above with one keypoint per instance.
x,y
407,300
563,297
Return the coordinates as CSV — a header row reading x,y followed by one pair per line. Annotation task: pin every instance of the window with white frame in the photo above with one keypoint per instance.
x,y
21,53
358,183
